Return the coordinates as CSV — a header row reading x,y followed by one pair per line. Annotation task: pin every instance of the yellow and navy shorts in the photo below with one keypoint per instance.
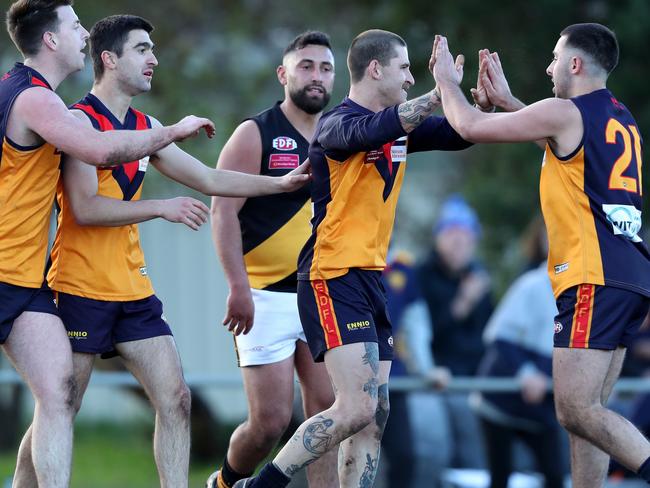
x,y
345,310
95,326
14,300
598,317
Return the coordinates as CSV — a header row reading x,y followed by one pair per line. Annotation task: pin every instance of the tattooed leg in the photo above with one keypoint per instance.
x,y
360,453
353,369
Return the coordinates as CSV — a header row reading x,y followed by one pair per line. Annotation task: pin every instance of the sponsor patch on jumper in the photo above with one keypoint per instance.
x,y
625,220
143,164
284,161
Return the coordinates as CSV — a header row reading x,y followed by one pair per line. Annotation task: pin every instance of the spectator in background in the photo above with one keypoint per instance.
x,y
457,290
414,458
519,339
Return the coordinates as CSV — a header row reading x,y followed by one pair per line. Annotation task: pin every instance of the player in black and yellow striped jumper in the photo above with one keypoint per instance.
x,y
591,194
35,126
268,232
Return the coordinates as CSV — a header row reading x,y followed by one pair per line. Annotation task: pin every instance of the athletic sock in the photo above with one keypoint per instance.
x,y
644,470
270,477
229,475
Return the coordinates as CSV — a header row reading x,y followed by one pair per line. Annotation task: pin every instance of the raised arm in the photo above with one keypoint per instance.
x,y
243,153
413,112
90,208
64,131
176,164
551,119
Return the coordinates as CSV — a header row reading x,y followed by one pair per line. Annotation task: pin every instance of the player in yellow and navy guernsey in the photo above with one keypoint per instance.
x,y
358,158
35,126
258,241
98,270
591,194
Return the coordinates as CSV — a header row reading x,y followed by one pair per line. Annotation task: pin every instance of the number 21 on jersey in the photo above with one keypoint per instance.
x,y
629,134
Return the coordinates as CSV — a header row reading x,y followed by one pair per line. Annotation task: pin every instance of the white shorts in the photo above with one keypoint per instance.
x,y
276,328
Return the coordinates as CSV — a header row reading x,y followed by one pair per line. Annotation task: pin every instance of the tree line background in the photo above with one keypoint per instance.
x,y
218,59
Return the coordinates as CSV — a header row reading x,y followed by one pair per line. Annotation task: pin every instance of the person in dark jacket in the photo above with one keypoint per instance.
x,y
457,290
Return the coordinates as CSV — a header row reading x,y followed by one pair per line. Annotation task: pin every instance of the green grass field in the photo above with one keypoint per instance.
x,y
111,456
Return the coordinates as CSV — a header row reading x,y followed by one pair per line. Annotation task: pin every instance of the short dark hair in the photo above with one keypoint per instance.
x,y
110,34
308,38
28,20
596,40
371,44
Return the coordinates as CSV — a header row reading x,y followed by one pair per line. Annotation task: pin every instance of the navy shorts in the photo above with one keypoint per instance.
x,y
14,300
95,326
345,310
598,317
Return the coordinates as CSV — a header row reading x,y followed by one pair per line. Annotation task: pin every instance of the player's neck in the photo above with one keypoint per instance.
x,y
302,121
48,68
585,86
113,98
366,98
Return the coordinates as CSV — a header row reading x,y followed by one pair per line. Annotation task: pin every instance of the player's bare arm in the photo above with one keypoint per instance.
x,y
242,152
413,112
553,119
64,131
180,166
89,208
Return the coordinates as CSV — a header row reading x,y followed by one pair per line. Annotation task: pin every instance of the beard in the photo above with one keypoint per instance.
x,y
309,104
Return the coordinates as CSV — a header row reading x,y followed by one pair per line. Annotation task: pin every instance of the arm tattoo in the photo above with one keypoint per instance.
x,y
371,356
369,473
413,112
316,438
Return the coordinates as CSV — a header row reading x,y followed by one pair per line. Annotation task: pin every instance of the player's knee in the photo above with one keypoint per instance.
x,y
58,396
570,413
319,402
175,402
184,401
359,415
271,425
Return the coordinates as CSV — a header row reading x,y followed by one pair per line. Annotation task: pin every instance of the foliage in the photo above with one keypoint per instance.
x,y
218,59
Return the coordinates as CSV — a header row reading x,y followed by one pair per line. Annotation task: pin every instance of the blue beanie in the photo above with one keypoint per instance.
x,y
455,212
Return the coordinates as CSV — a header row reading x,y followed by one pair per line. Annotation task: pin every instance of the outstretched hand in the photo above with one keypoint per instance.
x,y
185,210
442,64
479,94
297,178
493,80
190,126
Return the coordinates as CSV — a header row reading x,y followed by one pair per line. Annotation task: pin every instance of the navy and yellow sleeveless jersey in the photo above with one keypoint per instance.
x,y
592,201
103,263
275,227
28,177
358,159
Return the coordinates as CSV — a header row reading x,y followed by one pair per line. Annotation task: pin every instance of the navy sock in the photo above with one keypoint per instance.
x,y
229,475
644,470
270,477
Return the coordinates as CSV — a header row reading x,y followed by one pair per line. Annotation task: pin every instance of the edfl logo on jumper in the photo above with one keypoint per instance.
x,y
284,143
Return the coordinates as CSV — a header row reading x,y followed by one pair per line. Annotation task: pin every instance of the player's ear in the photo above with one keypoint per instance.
x,y
49,39
281,71
374,70
109,59
577,64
